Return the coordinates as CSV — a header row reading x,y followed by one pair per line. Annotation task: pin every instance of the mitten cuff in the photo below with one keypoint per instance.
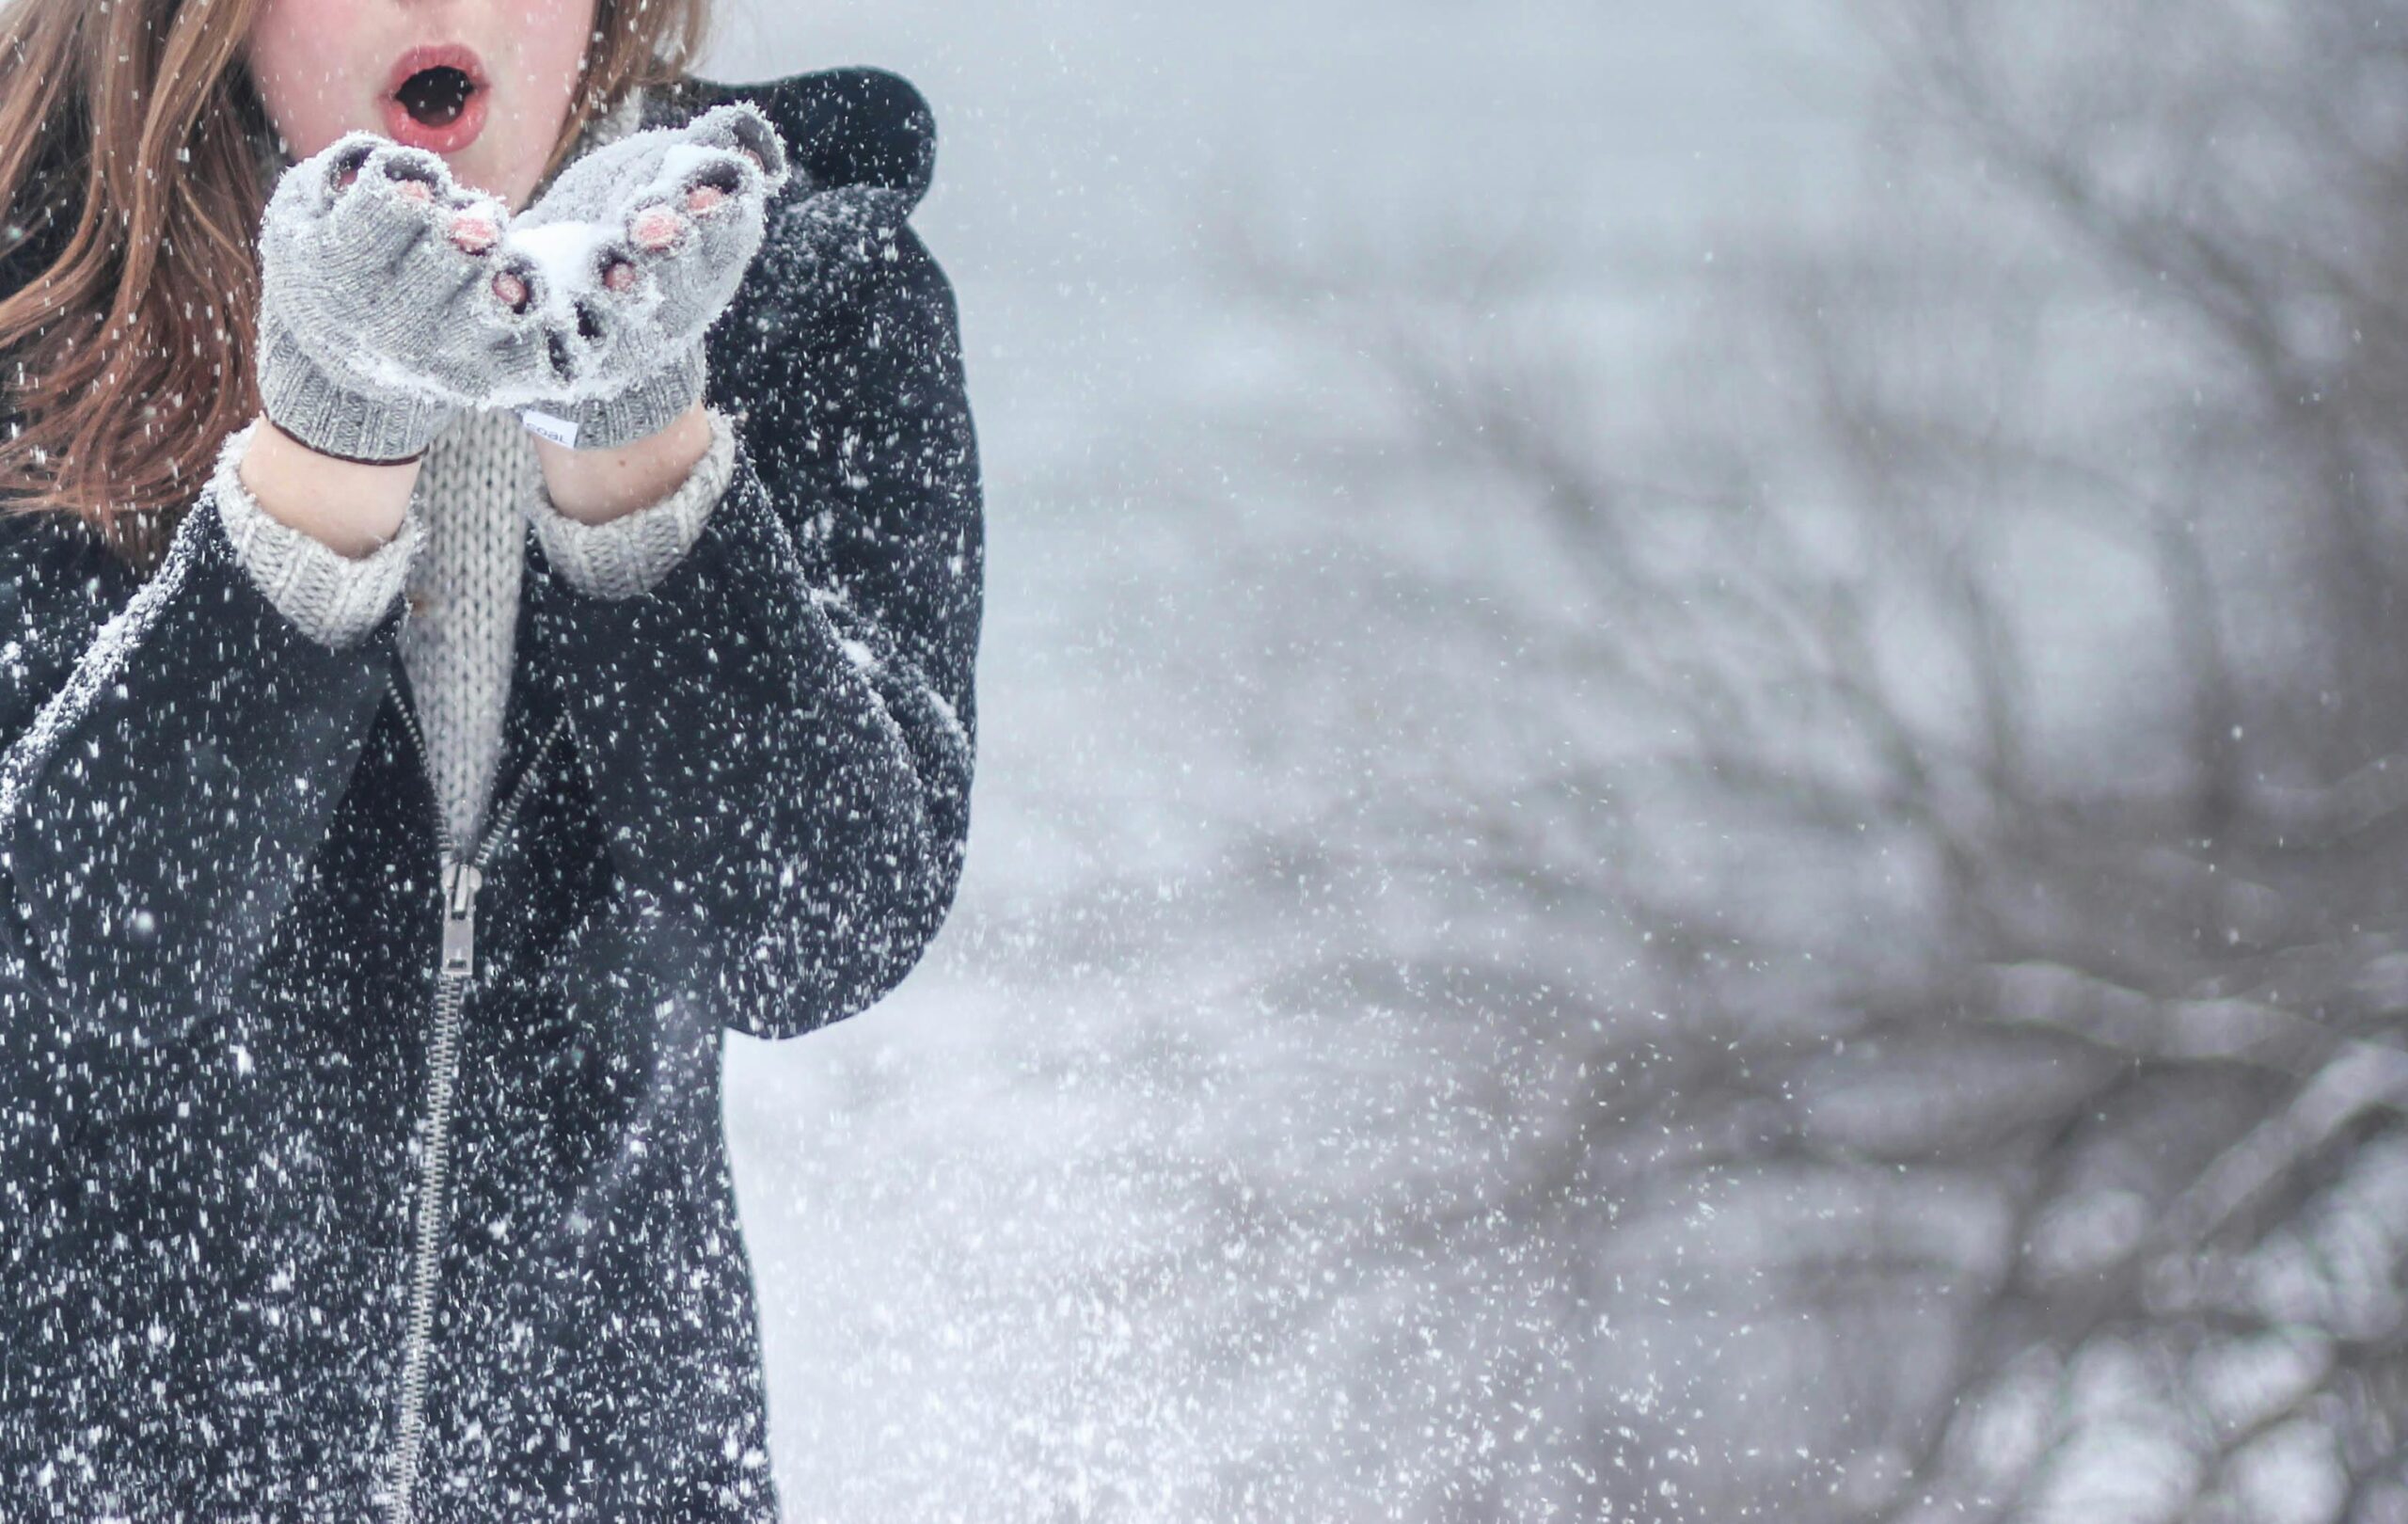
x,y
333,420
336,599
630,554
646,409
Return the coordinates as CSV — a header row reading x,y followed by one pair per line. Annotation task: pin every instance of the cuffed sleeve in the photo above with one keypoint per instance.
x,y
779,735
629,555
336,599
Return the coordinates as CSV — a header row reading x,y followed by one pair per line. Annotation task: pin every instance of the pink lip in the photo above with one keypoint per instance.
x,y
463,129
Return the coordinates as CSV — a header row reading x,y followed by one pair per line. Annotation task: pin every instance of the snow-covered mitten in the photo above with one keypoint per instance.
x,y
624,263
376,317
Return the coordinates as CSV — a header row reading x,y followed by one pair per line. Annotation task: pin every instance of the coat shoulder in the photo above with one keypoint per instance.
x,y
845,127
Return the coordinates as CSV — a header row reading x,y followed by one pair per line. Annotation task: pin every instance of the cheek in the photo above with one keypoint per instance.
x,y
550,36
540,46
305,86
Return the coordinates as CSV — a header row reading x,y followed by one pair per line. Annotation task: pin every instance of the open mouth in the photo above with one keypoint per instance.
x,y
436,98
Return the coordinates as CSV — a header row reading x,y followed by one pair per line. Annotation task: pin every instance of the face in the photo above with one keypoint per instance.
x,y
487,83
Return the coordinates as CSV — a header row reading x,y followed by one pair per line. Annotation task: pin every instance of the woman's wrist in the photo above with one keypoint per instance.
x,y
594,487
349,507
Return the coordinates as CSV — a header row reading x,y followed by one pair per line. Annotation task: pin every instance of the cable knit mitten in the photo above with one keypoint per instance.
x,y
616,273
377,321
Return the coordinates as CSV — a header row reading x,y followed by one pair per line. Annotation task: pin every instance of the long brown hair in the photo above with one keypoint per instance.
x,y
133,189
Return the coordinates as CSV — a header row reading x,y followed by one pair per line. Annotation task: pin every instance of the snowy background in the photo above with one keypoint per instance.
x,y
1681,810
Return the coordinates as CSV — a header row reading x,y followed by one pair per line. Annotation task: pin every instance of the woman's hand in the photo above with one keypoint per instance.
x,y
613,276
377,316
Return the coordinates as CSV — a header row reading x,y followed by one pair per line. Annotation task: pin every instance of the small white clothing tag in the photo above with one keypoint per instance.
x,y
561,431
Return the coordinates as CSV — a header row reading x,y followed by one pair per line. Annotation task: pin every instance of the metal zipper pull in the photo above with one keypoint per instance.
x,y
461,882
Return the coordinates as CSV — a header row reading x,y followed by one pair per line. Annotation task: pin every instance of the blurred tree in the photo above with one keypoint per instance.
x,y
1965,712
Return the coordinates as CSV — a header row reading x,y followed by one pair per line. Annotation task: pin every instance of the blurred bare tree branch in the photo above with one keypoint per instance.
x,y
1977,707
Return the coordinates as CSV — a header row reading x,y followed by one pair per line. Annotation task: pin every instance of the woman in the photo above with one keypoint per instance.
x,y
396,805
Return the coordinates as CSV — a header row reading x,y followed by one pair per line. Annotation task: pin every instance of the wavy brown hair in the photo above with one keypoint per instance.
x,y
133,191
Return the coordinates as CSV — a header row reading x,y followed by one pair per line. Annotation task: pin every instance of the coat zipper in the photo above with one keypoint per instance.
x,y
463,875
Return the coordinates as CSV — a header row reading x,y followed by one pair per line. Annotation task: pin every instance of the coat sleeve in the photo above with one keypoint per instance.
x,y
175,749
780,732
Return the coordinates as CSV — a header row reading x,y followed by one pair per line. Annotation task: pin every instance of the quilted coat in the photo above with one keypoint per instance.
x,y
347,1172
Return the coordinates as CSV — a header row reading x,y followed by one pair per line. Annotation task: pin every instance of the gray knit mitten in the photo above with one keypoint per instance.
x,y
624,265
376,320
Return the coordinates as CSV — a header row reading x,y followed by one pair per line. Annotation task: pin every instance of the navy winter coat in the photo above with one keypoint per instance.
x,y
327,1162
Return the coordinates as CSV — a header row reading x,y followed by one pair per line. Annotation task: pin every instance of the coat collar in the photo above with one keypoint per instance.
x,y
845,128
